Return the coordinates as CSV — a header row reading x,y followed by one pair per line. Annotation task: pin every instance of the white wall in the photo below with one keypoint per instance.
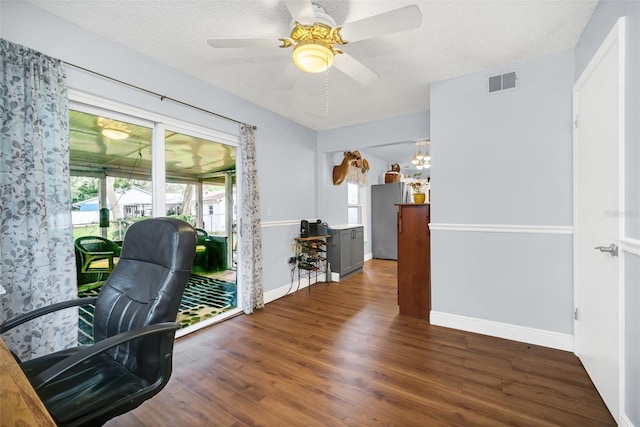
x,y
603,19
501,192
281,143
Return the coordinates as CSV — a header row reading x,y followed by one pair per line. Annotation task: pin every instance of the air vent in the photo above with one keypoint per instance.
x,y
502,82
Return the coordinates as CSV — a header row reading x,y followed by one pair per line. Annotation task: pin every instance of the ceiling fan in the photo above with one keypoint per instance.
x,y
315,35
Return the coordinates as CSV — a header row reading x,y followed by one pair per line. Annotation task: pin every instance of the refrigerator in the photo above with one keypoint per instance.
x,y
384,228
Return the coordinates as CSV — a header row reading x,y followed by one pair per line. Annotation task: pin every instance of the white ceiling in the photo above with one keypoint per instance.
x,y
456,37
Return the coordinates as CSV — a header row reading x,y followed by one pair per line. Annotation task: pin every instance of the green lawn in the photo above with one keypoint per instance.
x,y
86,230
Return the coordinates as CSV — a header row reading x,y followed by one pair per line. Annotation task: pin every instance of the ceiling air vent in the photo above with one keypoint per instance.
x,y
502,82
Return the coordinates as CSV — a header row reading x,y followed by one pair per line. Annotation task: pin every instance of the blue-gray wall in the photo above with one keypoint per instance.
x,y
504,160
603,19
332,199
282,145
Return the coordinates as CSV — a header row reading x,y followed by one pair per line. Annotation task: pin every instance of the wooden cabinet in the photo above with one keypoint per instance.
x,y
345,252
414,261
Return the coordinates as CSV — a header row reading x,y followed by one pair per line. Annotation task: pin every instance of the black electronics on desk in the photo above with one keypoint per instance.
x,y
311,228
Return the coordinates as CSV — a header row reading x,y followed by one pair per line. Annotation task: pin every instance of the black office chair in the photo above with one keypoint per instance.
x,y
134,329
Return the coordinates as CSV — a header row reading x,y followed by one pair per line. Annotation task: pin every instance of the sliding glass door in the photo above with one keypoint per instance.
x,y
127,168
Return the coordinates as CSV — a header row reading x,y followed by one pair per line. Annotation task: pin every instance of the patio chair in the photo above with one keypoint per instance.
x,y
96,254
202,249
134,328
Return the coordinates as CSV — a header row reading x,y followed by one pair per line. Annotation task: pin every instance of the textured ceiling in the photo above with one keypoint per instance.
x,y
454,39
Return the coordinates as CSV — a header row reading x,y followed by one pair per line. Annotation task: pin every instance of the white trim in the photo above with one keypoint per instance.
x,y
503,228
508,331
622,203
630,245
158,174
97,109
287,223
625,421
79,97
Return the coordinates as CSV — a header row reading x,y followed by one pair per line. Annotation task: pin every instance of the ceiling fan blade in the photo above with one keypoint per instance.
x,y
289,78
405,18
301,11
225,43
355,69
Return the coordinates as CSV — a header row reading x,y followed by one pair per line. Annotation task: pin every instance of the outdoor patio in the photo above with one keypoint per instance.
x,y
203,298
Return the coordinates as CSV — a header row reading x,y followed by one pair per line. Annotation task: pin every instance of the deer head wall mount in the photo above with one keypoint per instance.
x,y
350,159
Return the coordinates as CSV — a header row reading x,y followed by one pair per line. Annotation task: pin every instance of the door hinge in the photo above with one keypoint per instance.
x,y
575,122
575,314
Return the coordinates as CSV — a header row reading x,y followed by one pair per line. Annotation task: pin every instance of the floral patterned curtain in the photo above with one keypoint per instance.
x,y
37,262
250,232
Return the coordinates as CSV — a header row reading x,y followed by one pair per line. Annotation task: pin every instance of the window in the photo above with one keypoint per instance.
x,y
354,204
114,165
110,158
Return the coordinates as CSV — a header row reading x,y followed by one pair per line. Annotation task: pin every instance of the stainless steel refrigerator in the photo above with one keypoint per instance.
x,y
384,229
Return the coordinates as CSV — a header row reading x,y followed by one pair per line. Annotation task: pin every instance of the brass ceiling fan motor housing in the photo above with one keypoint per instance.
x,y
314,46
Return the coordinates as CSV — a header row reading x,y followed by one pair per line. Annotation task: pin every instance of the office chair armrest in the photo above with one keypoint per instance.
x,y
59,368
23,318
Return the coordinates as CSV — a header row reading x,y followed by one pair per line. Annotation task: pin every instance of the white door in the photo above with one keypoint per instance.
x,y
597,106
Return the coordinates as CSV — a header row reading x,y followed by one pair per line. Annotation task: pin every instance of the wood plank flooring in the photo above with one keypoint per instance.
x,y
342,356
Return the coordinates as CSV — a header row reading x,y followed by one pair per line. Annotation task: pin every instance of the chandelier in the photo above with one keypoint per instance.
x,y
422,161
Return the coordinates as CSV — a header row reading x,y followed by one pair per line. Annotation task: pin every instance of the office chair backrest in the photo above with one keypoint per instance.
x,y
145,288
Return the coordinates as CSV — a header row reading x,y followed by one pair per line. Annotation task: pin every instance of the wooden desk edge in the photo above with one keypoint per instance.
x,y
19,402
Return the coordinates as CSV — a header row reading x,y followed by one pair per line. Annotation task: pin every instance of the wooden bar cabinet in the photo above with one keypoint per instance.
x,y
414,260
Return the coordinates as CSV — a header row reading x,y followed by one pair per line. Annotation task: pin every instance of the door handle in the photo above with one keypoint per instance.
x,y
612,249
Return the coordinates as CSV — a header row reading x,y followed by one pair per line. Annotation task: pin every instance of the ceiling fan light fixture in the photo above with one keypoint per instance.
x,y
313,56
114,134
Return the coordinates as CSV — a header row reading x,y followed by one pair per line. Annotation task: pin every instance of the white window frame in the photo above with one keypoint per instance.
x,y
85,102
363,218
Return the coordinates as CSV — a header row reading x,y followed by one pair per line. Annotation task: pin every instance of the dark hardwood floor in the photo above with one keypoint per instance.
x,y
342,356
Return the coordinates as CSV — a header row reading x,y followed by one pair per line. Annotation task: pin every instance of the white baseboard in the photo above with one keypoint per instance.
x,y
504,330
625,421
287,289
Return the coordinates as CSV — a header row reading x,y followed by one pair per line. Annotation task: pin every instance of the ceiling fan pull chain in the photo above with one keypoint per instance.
x,y
326,91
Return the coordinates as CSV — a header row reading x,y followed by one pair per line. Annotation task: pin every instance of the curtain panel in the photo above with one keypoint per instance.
x,y
250,230
37,262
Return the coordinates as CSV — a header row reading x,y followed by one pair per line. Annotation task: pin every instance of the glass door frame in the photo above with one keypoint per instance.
x,y
159,123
